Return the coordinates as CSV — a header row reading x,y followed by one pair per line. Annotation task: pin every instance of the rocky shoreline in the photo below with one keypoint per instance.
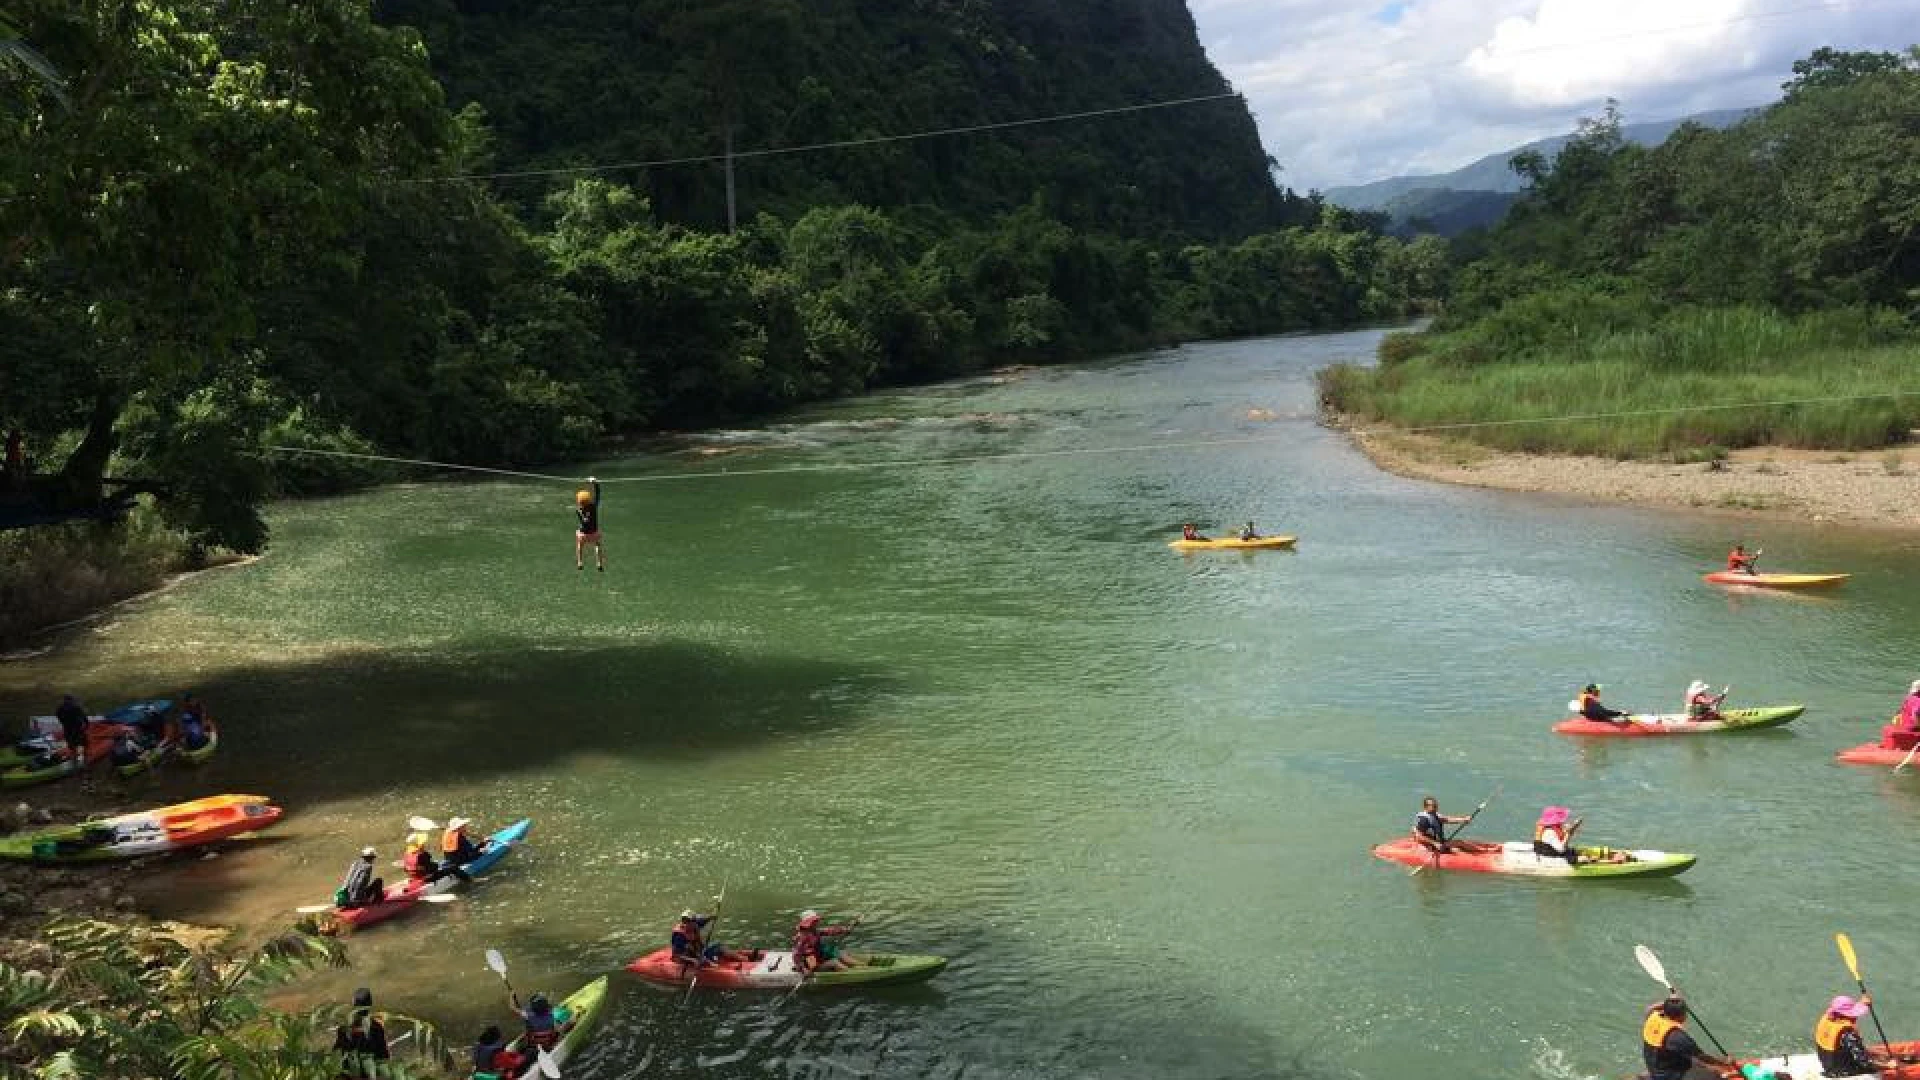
x,y
1879,489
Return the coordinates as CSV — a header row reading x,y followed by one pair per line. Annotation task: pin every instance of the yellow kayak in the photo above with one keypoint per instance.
x,y
1775,581
1233,543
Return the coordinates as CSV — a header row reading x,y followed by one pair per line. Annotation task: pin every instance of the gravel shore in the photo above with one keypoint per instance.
x,y
1878,488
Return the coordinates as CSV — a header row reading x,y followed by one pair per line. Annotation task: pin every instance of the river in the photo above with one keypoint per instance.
x,y
1130,793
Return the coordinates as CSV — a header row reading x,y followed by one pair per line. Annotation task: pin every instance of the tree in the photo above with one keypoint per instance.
x,y
1828,68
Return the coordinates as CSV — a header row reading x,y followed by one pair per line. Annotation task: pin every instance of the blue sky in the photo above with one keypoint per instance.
x,y
1347,91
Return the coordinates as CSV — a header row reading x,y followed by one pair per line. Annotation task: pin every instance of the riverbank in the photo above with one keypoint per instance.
x,y
1879,489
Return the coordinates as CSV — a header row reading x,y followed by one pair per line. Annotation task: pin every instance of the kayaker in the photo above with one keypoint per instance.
x,y
361,887
1553,835
1247,533
1188,532
73,723
417,862
362,1041
543,1027
690,944
1740,562
1702,704
456,847
811,950
1837,1039
491,1058
586,504
1666,1048
1591,708
1430,826
1909,718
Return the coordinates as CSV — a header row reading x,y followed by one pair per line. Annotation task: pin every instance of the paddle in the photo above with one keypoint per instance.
x,y
549,1068
422,824
1910,752
431,898
499,965
718,902
1853,967
1448,839
1650,964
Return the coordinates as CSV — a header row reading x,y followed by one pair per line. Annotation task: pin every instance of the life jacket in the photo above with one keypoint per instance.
x,y
807,946
450,842
1588,700
543,1031
417,864
1559,835
1826,1033
1738,560
690,931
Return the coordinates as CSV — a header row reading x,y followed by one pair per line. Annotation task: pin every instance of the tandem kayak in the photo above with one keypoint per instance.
x,y
150,832
1775,581
1678,724
1233,543
1806,1066
404,897
773,969
1516,858
583,1010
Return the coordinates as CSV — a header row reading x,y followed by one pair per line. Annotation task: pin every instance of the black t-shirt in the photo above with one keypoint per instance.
x,y
590,513
1674,1057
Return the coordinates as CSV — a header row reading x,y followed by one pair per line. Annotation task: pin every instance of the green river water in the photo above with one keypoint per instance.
x,y
1130,793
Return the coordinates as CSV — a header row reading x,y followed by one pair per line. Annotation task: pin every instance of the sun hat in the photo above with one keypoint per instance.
x,y
1697,687
1915,688
1846,1006
1554,815
367,853
688,914
456,824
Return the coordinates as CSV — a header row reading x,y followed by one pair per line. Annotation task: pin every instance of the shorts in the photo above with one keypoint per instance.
x,y
587,537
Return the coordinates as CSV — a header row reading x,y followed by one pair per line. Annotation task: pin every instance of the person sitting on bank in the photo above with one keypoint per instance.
x,y
361,886
1188,532
1836,1037
1430,826
417,862
1666,1048
1248,533
1739,561
811,949
1591,709
73,723
491,1058
1702,704
361,1042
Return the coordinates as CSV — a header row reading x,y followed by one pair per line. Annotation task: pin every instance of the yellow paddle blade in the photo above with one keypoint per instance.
x,y
1846,953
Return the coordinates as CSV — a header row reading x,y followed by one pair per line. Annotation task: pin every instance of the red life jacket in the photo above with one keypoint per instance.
x,y
807,947
416,863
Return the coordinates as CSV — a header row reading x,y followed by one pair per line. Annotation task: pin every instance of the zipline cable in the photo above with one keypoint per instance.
x,y
1088,451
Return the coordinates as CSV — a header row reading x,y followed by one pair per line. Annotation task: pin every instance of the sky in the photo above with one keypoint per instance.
x,y
1347,91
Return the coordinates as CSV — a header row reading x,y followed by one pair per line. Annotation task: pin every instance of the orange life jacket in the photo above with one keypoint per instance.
x,y
450,841
1658,1026
1826,1033
1587,699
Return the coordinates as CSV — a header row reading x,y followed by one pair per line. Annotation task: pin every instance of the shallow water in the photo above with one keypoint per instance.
x,y
1130,793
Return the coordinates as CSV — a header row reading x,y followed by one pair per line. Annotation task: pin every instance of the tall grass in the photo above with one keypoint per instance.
x,y
52,573
1670,385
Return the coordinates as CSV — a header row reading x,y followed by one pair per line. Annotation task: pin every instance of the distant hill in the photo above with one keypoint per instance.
x,y
1489,185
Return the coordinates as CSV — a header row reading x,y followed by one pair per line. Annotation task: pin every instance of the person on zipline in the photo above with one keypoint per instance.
x,y
587,505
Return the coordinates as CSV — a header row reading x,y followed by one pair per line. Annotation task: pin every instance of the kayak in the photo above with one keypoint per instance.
x,y
149,757
1775,581
1516,858
1232,543
1678,724
405,896
772,969
1874,754
150,832
1806,1066
23,773
201,754
584,1010
101,730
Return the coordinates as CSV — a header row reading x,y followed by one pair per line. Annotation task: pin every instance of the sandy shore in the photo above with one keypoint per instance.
x,y
1878,488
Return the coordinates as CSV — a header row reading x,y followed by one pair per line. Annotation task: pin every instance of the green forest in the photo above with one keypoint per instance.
x,y
1775,261
246,223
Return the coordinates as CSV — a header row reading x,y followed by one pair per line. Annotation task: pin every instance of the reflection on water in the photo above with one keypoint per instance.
x,y
1129,793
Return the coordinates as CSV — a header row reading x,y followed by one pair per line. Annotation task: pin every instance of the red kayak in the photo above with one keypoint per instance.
x,y
772,969
1874,753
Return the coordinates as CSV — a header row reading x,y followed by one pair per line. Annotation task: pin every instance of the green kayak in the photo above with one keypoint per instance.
x,y
584,1010
25,775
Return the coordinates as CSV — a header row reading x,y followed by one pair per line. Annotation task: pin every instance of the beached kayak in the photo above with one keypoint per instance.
x,y
1233,543
101,730
405,896
149,757
773,970
1517,858
150,832
1775,581
1806,1066
1678,724
583,1009
27,772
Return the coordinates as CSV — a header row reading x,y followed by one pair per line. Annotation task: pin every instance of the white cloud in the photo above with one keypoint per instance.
x,y
1347,92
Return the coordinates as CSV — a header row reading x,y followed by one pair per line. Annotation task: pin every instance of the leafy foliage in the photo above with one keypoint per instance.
x,y
129,1003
